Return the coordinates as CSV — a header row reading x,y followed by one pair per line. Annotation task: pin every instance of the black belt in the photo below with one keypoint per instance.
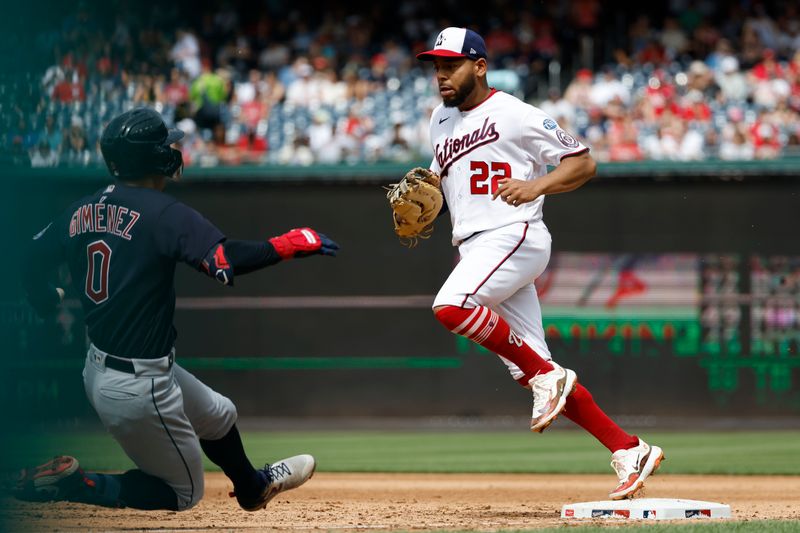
x,y
123,365
126,365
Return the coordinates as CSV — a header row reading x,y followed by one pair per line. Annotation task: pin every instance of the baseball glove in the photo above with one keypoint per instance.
x,y
415,203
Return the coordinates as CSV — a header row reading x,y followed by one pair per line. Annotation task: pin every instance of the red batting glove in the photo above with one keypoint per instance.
x,y
298,242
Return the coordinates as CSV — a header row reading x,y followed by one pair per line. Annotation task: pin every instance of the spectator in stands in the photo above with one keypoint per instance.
x,y
236,55
653,53
701,79
321,139
147,91
766,137
595,134
207,93
76,146
24,134
769,81
244,91
274,56
332,90
304,90
252,146
17,154
297,152
673,141
623,139
722,51
353,134
253,113
673,39
176,92
579,90
694,107
607,88
52,77
751,48
69,89
793,77
220,151
732,83
397,143
186,53
735,144
51,134
501,41
43,156
544,41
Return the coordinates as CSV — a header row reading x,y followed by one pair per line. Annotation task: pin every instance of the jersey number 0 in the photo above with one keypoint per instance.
x,y
98,258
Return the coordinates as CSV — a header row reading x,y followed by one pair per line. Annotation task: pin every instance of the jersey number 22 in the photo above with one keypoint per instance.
x,y
480,175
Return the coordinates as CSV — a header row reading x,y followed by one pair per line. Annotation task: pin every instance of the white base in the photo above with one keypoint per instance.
x,y
647,508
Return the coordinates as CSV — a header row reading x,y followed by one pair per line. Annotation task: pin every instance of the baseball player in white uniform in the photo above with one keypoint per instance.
x,y
492,151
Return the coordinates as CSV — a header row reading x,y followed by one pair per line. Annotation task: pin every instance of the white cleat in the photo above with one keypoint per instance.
x,y
278,477
550,392
633,466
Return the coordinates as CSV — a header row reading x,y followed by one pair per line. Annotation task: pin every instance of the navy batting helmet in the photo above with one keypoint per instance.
x,y
137,143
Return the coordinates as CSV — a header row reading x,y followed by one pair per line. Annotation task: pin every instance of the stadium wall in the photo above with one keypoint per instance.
x,y
354,336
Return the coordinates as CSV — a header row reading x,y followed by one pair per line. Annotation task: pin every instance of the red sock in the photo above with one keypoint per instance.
x,y
487,328
582,409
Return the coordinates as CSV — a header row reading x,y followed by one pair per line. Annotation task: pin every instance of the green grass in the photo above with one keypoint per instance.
x,y
774,452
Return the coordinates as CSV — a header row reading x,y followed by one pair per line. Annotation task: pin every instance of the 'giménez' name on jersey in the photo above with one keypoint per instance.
x,y
502,137
101,217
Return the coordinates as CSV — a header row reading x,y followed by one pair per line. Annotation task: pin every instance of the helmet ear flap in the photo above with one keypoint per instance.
x,y
170,161
174,167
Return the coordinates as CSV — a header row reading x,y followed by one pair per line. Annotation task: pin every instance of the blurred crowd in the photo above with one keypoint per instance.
x,y
298,85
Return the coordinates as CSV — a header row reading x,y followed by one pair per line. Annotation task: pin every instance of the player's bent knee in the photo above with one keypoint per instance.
x,y
191,497
192,502
218,424
453,317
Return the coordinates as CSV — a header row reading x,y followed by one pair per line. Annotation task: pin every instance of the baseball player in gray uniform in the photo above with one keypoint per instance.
x,y
122,244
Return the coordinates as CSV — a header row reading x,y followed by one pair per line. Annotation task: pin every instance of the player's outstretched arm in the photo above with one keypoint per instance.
x,y
571,173
41,257
235,257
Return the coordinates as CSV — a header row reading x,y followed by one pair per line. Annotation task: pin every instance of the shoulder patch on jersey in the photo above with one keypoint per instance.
x,y
566,139
550,124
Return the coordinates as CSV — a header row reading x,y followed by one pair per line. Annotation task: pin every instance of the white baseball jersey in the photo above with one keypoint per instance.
x,y
502,137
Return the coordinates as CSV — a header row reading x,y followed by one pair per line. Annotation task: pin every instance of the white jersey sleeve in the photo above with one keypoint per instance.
x,y
545,141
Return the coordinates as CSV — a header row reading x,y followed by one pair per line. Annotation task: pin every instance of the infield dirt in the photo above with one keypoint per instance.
x,y
335,501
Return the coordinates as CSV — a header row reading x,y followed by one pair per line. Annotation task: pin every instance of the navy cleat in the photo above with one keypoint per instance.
x,y
286,474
